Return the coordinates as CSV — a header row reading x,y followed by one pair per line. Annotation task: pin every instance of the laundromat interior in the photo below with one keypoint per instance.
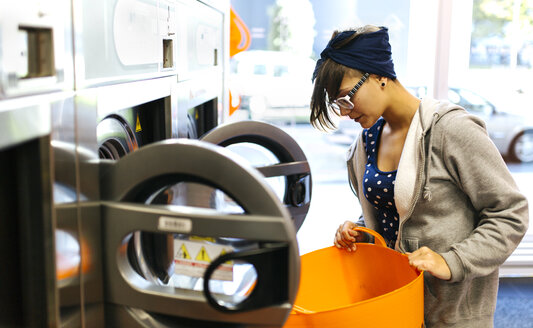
x,y
158,164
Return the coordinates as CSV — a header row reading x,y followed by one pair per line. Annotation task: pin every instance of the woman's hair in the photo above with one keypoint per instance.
x,y
329,78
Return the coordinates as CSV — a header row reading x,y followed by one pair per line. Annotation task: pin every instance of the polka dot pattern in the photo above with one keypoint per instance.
x,y
380,186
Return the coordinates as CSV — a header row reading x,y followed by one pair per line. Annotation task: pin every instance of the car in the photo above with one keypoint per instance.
x,y
272,83
511,133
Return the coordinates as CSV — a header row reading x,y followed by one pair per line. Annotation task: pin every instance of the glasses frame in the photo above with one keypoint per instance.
x,y
345,102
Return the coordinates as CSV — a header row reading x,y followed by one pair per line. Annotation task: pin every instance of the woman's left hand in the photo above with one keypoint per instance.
x,y
425,259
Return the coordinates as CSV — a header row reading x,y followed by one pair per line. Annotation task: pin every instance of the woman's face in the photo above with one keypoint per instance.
x,y
367,107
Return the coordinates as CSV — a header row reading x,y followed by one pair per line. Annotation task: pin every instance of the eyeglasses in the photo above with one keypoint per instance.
x,y
345,102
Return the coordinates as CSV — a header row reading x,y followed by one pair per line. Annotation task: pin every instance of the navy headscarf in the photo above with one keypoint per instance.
x,y
369,53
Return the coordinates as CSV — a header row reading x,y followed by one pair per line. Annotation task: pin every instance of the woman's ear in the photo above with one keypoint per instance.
x,y
383,81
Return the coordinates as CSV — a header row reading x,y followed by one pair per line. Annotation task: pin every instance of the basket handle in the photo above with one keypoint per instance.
x,y
378,239
301,310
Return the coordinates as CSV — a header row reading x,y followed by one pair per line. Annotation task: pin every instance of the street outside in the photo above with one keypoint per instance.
x,y
332,199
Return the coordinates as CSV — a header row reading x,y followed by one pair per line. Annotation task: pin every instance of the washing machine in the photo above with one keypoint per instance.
x,y
235,266
192,234
27,226
276,155
143,219
157,278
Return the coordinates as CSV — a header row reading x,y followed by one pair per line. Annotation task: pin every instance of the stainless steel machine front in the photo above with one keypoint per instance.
x,y
28,297
262,238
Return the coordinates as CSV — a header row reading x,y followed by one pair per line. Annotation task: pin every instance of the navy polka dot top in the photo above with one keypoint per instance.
x,y
379,186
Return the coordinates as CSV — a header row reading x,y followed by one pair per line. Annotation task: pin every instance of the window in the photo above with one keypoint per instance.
x,y
280,70
260,70
470,101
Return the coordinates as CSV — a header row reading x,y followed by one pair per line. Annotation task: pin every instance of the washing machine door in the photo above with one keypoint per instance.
x,y
115,137
235,267
276,155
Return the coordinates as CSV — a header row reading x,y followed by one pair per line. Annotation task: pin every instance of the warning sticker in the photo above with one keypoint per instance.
x,y
183,253
203,256
194,256
138,125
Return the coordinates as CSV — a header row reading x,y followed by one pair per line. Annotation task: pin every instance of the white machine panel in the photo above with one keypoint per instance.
x,y
35,43
200,38
123,40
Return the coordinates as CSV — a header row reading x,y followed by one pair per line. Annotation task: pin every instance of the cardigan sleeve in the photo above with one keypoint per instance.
x,y
479,170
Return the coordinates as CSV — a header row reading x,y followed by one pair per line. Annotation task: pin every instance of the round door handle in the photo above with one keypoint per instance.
x,y
271,287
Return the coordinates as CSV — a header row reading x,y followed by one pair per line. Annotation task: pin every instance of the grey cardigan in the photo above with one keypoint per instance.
x,y
455,195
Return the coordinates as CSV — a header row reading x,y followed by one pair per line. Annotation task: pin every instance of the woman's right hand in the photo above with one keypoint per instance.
x,y
346,237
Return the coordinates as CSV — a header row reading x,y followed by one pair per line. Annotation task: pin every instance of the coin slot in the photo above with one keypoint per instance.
x,y
39,51
168,53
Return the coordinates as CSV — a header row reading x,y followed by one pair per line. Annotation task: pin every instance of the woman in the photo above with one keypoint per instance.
x,y
427,176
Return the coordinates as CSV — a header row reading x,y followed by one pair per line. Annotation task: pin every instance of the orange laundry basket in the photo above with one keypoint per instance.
x,y
372,287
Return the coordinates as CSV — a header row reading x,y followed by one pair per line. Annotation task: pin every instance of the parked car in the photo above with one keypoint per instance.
x,y
511,133
272,83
